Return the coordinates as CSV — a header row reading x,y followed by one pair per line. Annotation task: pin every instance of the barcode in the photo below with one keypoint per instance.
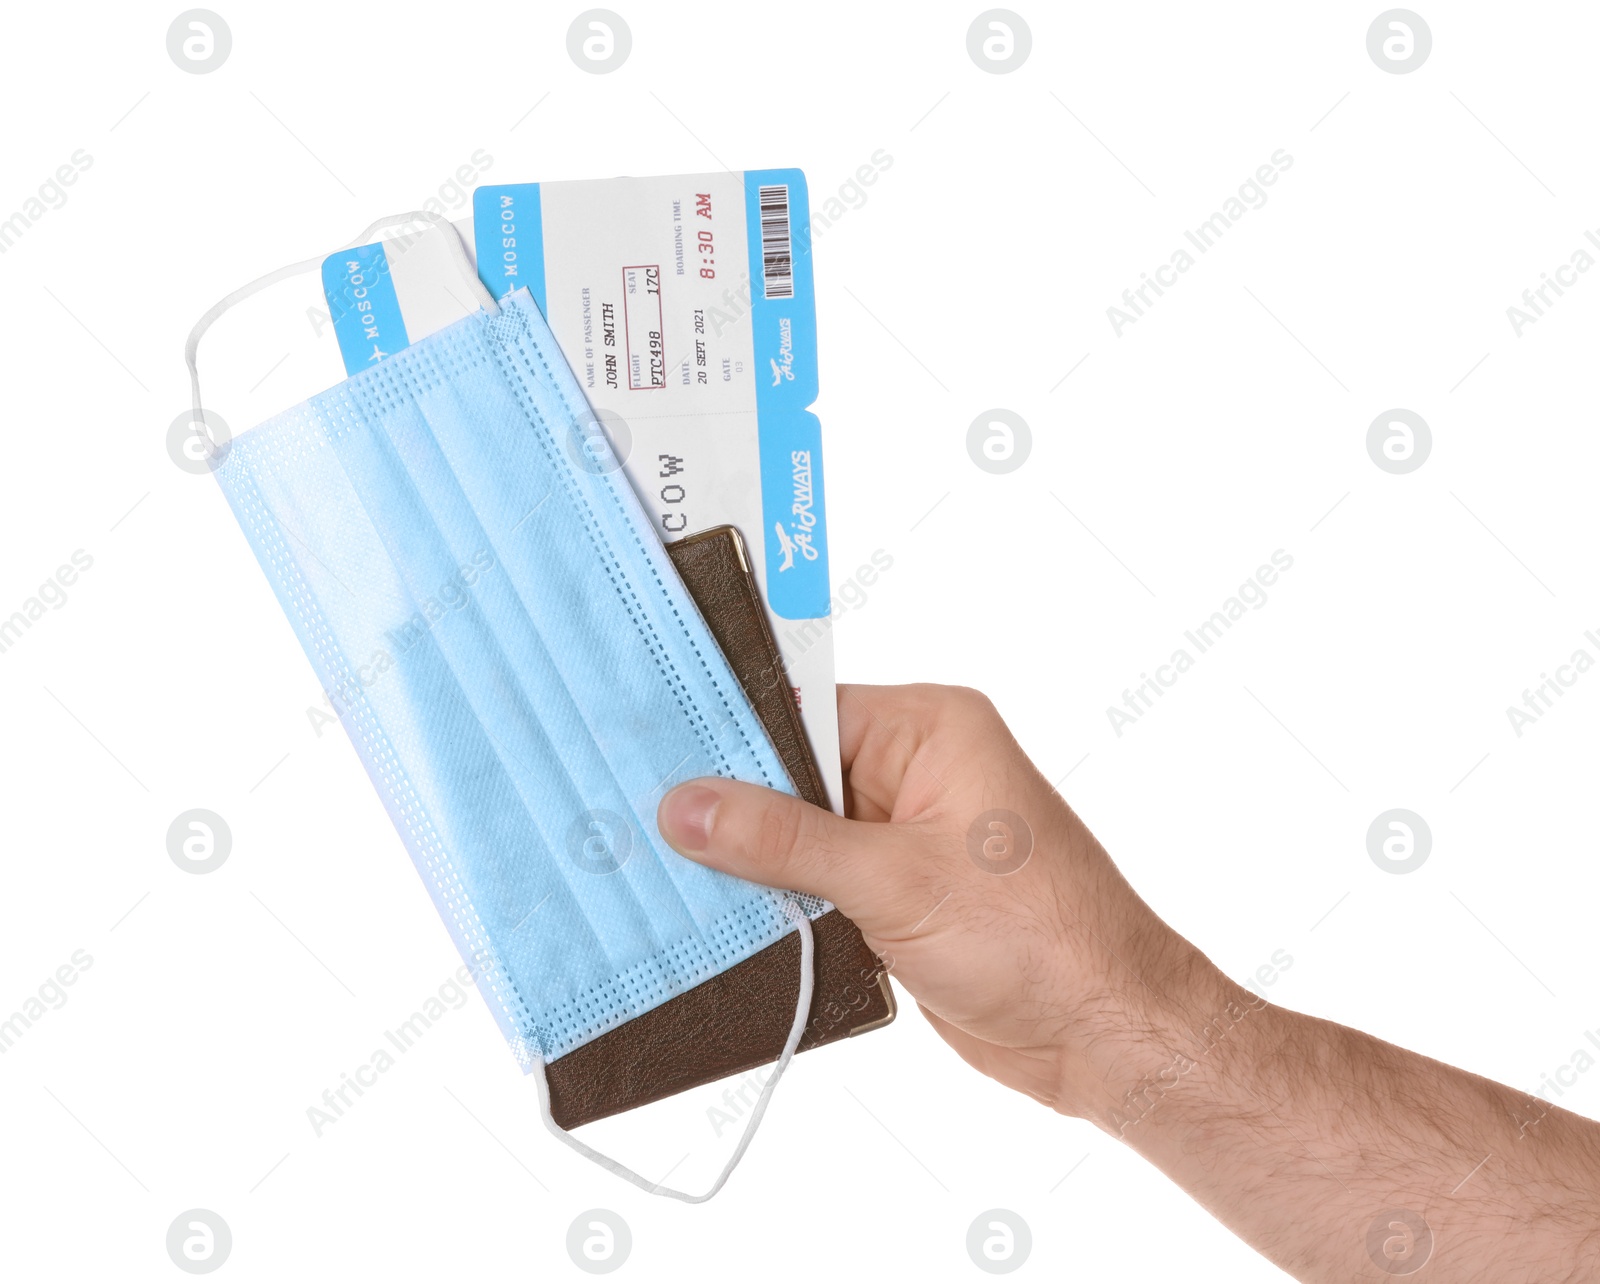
x,y
777,263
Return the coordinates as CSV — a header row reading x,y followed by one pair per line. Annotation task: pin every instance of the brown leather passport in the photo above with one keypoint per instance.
x,y
739,1019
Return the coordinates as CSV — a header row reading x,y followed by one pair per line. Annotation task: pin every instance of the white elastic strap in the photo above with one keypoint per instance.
x,y
191,349
802,1010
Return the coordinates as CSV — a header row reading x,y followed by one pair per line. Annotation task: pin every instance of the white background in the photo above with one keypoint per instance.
x,y
976,274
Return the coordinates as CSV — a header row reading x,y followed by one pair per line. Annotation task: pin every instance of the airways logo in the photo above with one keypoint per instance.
x,y
798,538
783,363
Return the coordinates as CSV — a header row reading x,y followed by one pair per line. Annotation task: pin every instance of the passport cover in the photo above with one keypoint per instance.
x,y
740,1018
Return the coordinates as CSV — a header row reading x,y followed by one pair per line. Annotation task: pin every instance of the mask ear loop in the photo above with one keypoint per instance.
x,y
802,1011
458,253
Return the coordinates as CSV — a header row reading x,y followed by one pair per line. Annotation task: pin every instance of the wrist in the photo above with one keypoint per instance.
x,y
1188,1050
1174,1023
1138,1010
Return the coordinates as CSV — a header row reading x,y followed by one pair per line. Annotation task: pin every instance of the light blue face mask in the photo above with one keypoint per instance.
x,y
522,673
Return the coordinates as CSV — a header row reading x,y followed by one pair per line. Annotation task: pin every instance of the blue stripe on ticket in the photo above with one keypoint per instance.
x,y
784,335
508,235
364,306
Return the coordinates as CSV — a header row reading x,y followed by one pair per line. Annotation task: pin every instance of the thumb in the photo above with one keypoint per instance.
x,y
778,840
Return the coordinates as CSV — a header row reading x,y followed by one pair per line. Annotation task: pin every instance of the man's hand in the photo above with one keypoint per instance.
x,y
986,896
1338,1156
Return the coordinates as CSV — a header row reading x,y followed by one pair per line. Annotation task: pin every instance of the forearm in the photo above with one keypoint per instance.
x,y
1303,1136
1036,961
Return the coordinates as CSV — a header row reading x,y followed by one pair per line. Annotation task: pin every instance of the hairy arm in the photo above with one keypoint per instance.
x,y
1342,1157
1336,1155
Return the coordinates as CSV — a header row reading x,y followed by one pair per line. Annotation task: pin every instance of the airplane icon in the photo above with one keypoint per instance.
x,y
786,544
377,353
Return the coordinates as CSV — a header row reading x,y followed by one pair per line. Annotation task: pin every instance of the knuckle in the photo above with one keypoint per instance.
x,y
928,703
971,710
779,827
974,703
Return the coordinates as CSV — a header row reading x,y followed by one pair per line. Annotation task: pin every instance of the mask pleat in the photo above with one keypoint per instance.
x,y
629,565
288,488
520,669
491,649
506,445
492,643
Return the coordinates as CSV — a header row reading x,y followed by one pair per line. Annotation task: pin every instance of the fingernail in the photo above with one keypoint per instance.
x,y
685,817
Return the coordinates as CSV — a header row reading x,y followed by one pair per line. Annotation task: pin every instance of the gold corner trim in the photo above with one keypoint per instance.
x,y
887,1017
